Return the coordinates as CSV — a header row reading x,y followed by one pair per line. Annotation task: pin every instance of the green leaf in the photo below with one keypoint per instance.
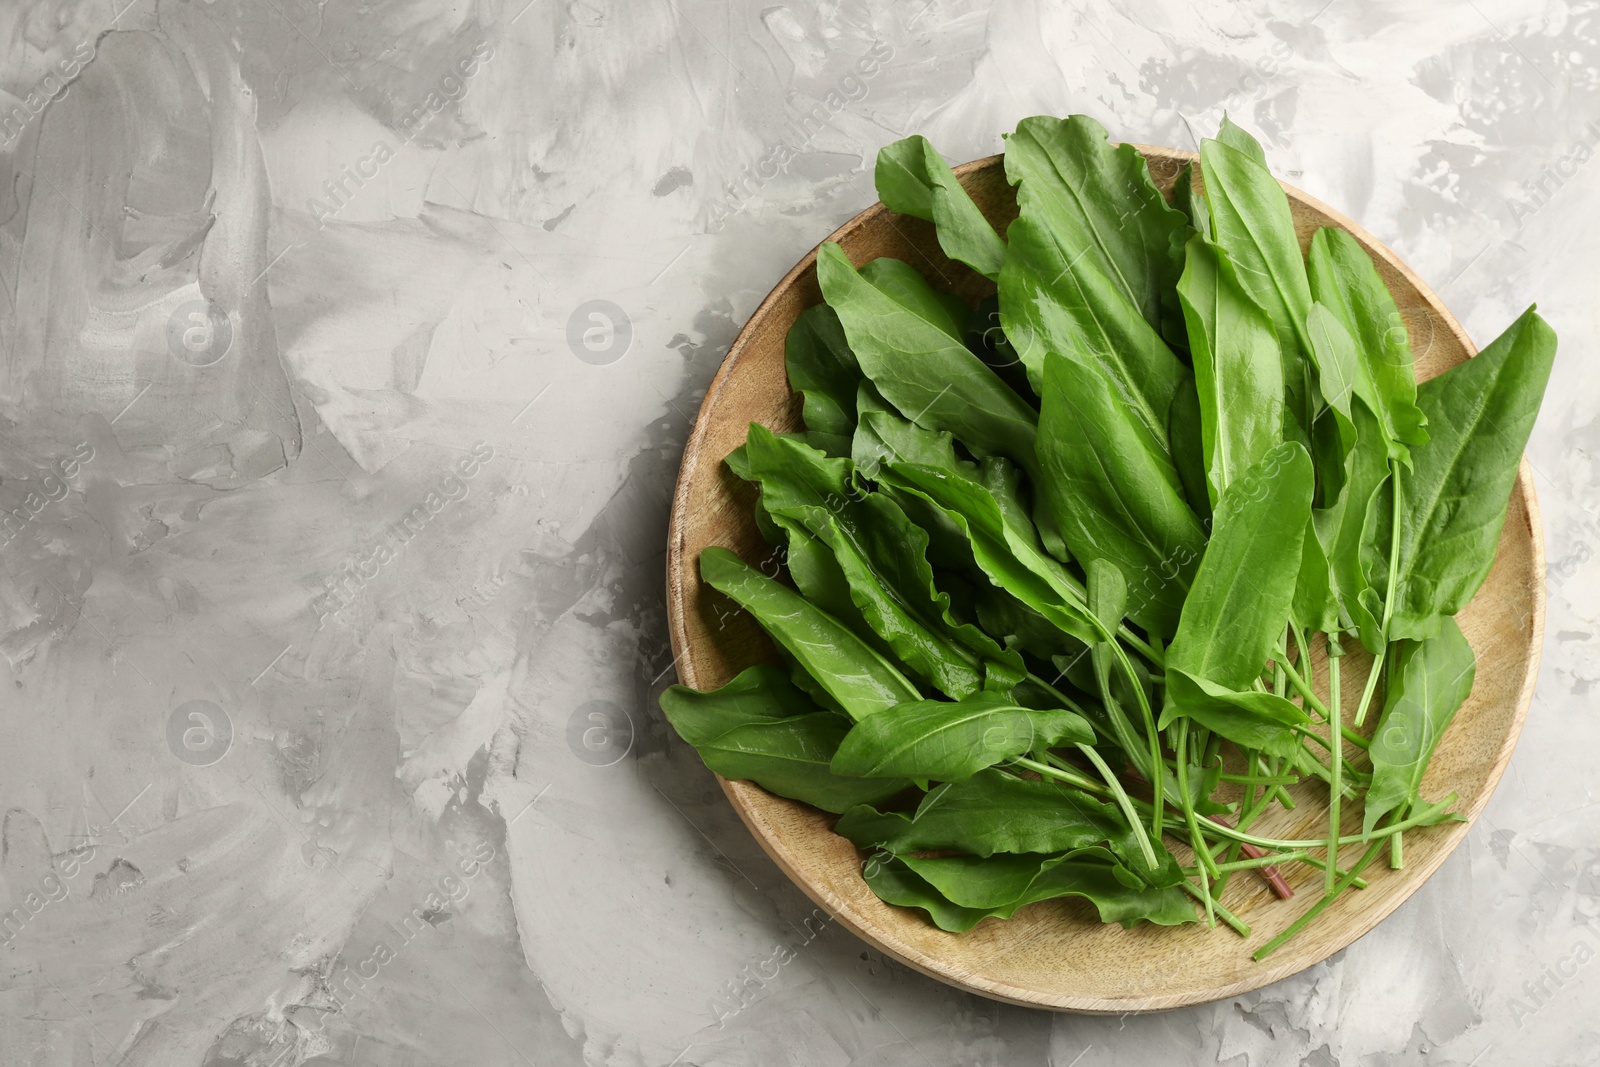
x,y
913,179
1114,493
1253,225
823,370
883,557
1235,137
1009,555
1238,369
762,693
1248,718
1432,679
1191,201
791,757
1238,606
1185,442
1344,279
951,740
760,728
994,812
1051,300
1454,498
1342,529
901,282
851,671
1005,884
1099,200
928,375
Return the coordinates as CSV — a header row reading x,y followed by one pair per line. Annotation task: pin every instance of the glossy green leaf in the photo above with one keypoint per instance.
x,y
1114,493
1252,223
760,728
949,741
1250,719
1010,556
1431,680
1099,200
791,757
883,557
1238,369
1185,441
994,812
902,282
928,375
913,179
762,693
851,671
1238,606
1191,201
1234,137
1454,498
1343,278
1342,528
823,370
1005,884
1053,301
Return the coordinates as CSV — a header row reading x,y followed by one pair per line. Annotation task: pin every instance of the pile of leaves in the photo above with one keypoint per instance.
x,y
1055,563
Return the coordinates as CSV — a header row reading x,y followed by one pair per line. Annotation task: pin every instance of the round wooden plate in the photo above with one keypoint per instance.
x,y
1056,954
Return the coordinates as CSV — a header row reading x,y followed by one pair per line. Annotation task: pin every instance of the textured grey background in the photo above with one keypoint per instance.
x,y
429,813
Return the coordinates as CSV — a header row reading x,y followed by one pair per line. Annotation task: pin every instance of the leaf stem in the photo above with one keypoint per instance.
x,y
1239,926
1316,909
1336,785
1388,595
1124,802
1196,842
1420,819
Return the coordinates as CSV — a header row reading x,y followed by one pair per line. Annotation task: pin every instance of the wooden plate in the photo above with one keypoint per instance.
x,y
1055,954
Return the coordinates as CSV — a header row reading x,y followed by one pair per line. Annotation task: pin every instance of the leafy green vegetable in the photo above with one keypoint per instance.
x,y
1114,492
951,741
1480,414
882,556
1098,199
994,812
1238,370
927,374
901,282
823,370
1253,225
1432,680
1344,280
854,674
913,179
760,727
1001,885
1234,617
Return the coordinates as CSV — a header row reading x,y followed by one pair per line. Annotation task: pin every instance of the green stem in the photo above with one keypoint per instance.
x,y
1256,779
1157,773
1301,686
1124,802
1260,861
1239,926
1317,908
1336,786
1062,771
1196,842
1397,857
1312,861
1388,596
1348,839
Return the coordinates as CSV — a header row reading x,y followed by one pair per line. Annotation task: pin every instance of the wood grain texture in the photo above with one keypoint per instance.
x,y
1056,954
